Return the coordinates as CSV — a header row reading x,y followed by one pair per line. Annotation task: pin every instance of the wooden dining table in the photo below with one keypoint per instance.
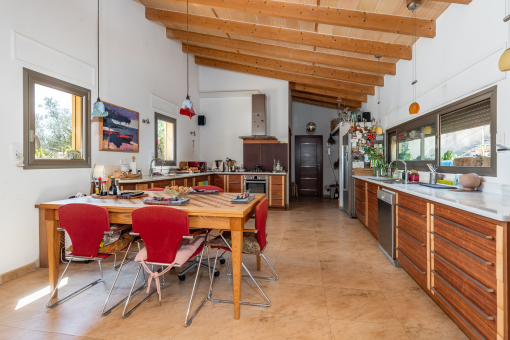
x,y
205,211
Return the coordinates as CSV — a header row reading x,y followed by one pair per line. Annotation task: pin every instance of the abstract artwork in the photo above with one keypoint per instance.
x,y
120,130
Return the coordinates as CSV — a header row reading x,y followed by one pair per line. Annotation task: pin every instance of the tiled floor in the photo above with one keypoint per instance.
x,y
334,284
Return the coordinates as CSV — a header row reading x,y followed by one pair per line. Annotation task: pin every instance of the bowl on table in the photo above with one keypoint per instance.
x,y
180,192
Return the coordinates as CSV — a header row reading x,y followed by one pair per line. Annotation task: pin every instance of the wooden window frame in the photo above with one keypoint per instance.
x,y
435,117
168,119
30,78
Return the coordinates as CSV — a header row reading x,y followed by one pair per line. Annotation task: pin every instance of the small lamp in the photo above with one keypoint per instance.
x,y
504,60
414,108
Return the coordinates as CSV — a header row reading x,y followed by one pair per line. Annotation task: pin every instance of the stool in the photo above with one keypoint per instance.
x,y
294,189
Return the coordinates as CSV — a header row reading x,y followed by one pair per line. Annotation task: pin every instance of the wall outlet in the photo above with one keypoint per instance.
x,y
15,148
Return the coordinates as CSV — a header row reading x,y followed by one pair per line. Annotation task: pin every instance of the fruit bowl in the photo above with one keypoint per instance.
x,y
179,192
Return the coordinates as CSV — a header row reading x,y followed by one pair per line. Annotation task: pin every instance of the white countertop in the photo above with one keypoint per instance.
x,y
490,205
145,179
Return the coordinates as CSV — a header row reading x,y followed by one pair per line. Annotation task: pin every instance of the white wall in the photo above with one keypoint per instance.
x,y
229,118
460,61
303,114
58,38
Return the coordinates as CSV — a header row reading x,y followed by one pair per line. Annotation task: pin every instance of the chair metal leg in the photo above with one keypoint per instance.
x,y
76,292
258,277
124,261
124,314
187,321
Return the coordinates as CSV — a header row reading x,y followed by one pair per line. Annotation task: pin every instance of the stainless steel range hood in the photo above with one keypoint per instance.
x,y
258,118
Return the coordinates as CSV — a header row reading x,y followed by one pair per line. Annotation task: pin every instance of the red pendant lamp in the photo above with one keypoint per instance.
x,y
187,105
414,108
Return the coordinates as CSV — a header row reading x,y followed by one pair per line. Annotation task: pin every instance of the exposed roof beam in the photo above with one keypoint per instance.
x,y
325,91
283,52
316,103
283,34
323,15
300,78
331,100
462,2
325,72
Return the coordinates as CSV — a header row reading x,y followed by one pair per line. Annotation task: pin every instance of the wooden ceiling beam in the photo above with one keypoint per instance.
x,y
461,2
331,100
318,71
316,103
293,77
283,34
325,91
284,52
324,15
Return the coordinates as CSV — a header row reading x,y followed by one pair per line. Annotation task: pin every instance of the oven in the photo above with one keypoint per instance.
x,y
256,184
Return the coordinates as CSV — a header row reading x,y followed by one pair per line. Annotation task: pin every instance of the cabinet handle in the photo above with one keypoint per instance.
x,y
488,237
359,187
411,262
276,198
217,179
412,238
414,212
359,212
463,250
487,317
371,191
458,315
359,200
235,182
488,290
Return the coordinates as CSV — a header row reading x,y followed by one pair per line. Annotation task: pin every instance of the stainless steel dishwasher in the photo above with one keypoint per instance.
x,y
386,205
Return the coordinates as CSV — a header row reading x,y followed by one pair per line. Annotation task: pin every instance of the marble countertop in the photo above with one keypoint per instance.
x,y
145,179
490,205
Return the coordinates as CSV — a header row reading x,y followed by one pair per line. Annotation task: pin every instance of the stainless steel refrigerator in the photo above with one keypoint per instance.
x,y
346,172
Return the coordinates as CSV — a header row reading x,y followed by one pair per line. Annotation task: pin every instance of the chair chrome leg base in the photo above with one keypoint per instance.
x,y
258,277
124,299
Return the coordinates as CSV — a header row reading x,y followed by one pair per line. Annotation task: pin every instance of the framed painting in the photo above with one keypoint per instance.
x,y
120,130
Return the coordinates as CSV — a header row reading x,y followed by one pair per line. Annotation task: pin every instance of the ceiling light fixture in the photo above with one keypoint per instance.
x,y
504,61
98,109
414,108
379,74
187,105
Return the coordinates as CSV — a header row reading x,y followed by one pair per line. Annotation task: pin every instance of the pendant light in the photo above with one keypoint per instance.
x,y
187,105
379,74
414,108
98,109
504,61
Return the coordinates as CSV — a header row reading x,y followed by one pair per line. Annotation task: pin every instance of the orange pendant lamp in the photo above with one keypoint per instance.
x,y
414,108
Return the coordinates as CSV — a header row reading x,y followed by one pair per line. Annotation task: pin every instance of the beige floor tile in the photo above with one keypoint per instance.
x,y
291,327
433,334
296,299
359,305
297,271
8,333
392,279
349,330
38,335
347,278
336,245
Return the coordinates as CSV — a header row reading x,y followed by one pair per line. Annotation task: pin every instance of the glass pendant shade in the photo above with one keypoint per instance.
x,y
98,109
427,130
504,61
378,130
414,108
187,108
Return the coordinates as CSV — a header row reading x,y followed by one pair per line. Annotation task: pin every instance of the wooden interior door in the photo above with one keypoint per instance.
x,y
309,165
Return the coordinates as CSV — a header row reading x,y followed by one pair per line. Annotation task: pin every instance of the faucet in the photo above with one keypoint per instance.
x,y
405,168
151,170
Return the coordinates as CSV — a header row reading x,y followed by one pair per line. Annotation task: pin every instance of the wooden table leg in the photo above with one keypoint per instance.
x,y
53,239
236,227
258,262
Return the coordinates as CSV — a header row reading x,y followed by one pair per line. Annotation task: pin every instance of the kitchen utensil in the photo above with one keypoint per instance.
x,y
433,178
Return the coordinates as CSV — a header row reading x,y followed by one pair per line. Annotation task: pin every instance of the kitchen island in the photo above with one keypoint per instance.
x,y
454,245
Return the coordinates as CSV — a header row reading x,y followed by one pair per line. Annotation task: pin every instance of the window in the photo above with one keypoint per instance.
x,y
457,137
166,142
56,123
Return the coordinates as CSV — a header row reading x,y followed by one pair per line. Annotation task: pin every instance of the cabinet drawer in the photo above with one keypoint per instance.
x,y
359,215
359,205
276,193
481,269
412,223
472,318
414,271
180,182
373,213
416,252
412,203
464,226
162,184
359,193
235,183
277,179
219,181
479,295
372,188
359,183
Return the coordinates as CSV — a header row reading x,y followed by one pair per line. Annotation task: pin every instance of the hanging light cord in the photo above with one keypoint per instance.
x,y
187,49
415,56
98,50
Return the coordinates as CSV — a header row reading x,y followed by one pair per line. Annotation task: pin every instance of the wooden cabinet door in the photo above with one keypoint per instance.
x,y
373,214
276,194
235,183
219,181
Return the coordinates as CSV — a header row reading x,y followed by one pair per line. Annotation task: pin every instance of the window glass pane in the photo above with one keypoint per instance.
x,y
57,124
165,140
393,148
418,144
467,147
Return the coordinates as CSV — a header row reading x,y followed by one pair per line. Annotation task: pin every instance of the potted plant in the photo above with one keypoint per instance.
x,y
447,158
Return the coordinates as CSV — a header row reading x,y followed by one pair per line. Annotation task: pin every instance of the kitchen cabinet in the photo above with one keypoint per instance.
x,y
235,183
219,181
372,216
264,154
360,194
194,180
276,194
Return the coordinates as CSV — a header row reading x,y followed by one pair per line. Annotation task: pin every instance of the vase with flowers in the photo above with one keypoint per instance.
x,y
377,161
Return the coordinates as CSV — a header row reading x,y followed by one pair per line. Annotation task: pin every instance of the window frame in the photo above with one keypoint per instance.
x,y
435,117
30,78
159,116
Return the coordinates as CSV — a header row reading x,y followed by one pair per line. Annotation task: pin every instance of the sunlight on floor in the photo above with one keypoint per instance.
x,y
37,295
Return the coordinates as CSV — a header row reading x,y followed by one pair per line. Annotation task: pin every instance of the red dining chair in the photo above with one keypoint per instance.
x,y
254,242
168,243
86,225
182,273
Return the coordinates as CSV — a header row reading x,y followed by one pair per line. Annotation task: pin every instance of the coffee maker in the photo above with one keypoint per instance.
x,y
230,164
218,165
